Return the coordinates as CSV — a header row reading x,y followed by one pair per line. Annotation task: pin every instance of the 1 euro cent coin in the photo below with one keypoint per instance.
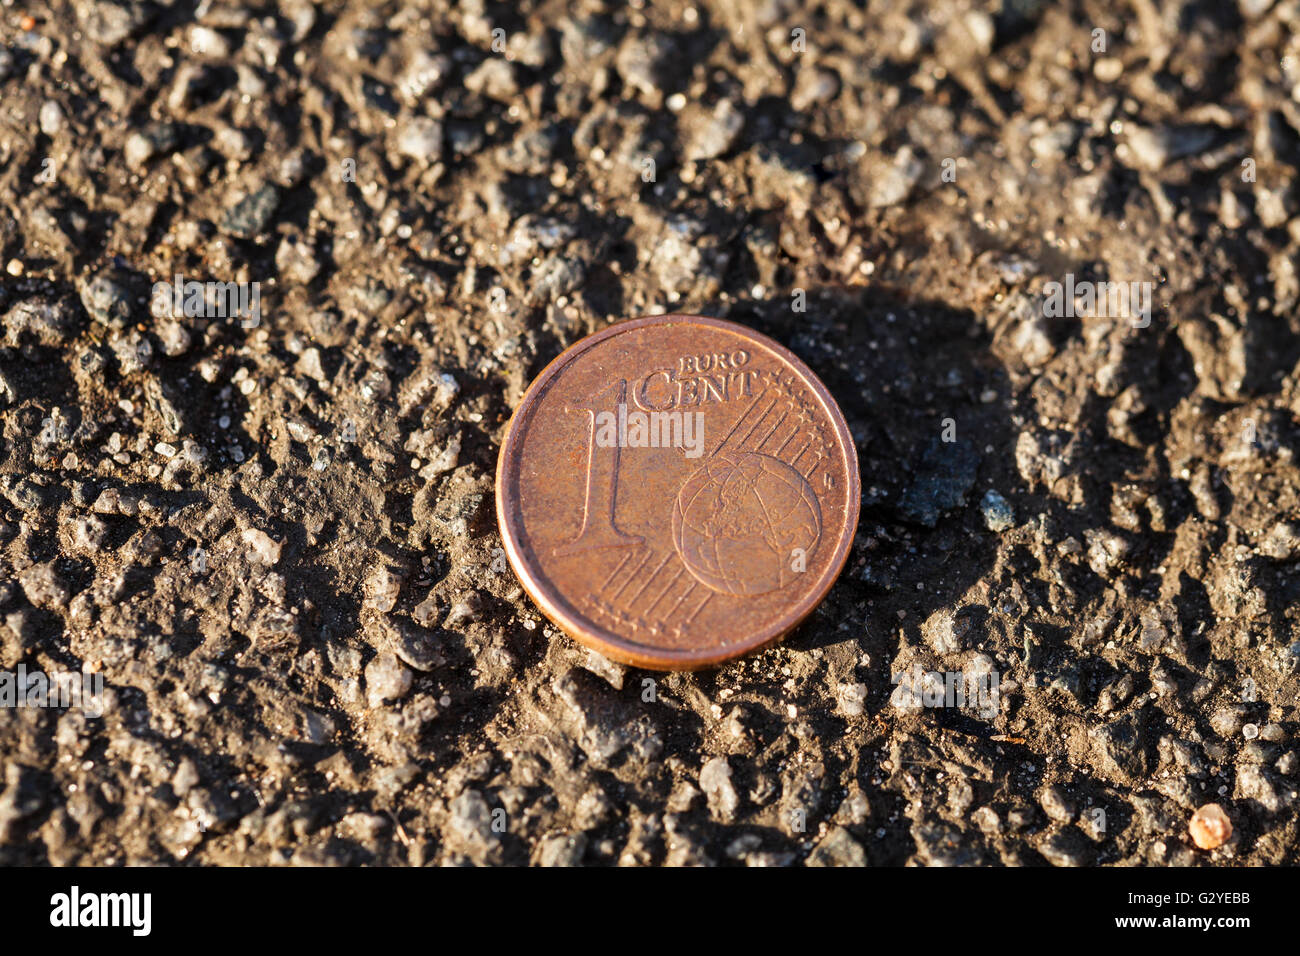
x,y
677,491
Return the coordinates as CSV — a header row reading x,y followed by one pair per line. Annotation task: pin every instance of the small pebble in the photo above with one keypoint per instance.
x,y
1108,69
420,139
387,679
1210,827
998,513
51,118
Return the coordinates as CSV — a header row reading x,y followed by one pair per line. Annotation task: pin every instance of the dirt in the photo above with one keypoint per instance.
x,y
272,533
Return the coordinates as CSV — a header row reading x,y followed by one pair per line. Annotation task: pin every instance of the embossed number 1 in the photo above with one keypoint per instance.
x,y
598,528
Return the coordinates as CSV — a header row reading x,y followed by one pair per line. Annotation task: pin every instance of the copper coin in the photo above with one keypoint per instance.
x,y
677,491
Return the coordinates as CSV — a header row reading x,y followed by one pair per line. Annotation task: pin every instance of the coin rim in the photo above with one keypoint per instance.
x,y
603,641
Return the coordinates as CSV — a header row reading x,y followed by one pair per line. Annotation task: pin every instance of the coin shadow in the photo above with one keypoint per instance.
x,y
931,411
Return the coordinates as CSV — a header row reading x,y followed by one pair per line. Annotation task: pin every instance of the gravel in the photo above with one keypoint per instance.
x,y
276,542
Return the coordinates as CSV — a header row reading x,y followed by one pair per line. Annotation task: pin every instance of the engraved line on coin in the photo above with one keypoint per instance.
x,y
626,558
758,421
664,619
796,396
632,574
631,602
623,608
678,627
793,435
707,598
740,421
667,587
772,431
682,597
655,625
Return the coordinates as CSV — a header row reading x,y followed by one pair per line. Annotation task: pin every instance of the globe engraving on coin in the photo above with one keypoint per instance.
x,y
677,491
739,518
